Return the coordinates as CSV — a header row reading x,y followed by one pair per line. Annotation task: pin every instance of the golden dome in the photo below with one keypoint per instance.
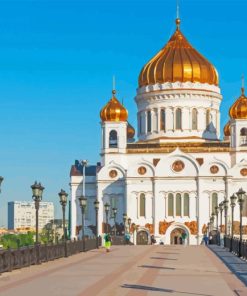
x,y
239,108
114,110
130,131
227,131
178,61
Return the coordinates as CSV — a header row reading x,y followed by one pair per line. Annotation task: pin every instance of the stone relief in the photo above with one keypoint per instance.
x,y
178,166
163,225
113,173
150,227
192,227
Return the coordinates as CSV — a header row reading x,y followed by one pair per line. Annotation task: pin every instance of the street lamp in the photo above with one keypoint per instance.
x,y
241,196
221,207
63,201
233,204
37,190
107,209
114,210
96,206
124,220
225,203
217,223
129,223
83,205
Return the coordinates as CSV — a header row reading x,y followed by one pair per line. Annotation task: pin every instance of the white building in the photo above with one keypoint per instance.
x,y
171,178
21,214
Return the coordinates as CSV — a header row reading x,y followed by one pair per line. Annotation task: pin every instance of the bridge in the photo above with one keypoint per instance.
x,y
132,270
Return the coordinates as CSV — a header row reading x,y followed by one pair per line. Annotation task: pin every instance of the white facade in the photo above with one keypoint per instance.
x,y
21,214
177,171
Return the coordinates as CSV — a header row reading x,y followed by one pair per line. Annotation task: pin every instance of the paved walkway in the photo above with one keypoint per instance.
x,y
130,271
237,265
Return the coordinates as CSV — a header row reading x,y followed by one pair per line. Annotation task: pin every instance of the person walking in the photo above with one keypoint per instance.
x,y
107,238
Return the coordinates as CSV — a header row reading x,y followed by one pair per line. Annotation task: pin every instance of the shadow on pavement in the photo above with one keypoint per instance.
x,y
148,288
167,253
162,258
157,267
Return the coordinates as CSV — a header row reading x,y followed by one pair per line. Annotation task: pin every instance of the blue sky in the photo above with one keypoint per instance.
x,y
57,59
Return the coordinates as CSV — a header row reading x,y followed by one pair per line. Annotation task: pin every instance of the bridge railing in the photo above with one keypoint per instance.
x,y
235,246
32,255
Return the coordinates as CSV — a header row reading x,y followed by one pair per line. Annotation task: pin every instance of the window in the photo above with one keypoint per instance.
x,y
113,141
142,205
194,119
140,123
214,201
162,120
149,125
113,204
178,119
208,118
243,134
170,205
178,204
186,204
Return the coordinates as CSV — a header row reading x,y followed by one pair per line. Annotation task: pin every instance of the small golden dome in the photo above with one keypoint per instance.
x,y
114,110
178,61
130,131
239,108
227,131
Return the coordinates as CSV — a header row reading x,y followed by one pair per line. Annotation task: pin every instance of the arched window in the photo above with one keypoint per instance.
x,y
194,119
178,119
214,201
178,204
208,118
186,204
170,205
149,123
113,141
243,131
162,120
142,205
140,123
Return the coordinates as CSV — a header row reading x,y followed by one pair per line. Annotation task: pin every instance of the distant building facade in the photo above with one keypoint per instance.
x,y
22,214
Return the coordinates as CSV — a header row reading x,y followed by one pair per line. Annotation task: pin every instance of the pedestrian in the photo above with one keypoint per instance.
x,y
127,238
107,238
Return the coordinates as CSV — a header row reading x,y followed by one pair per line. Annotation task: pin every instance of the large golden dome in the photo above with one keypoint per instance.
x,y
239,108
178,61
113,110
130,131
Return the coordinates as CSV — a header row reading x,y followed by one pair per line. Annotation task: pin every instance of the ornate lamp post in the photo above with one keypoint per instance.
x,y
37,190
114,210
221,207
217,224
124,221
129,223
83,205
241,196
96,206
63,201
107,209
225,203
233,204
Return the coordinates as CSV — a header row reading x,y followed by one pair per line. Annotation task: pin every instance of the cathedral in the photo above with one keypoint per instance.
x,y
166,178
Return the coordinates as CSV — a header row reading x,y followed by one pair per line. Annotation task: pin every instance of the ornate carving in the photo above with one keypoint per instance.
x,y
204,229
214,169
178,166
142,170
163,225
156,161
192,227
200,161
150,227
113,173
243,172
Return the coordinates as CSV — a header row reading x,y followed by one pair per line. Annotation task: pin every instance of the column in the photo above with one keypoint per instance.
x,y
158,120
155,205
